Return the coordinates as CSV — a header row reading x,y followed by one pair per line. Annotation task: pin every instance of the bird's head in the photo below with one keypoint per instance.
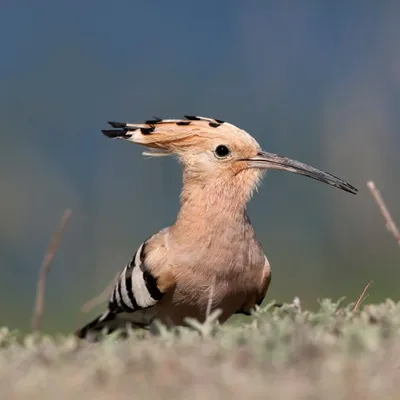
x,y
213,151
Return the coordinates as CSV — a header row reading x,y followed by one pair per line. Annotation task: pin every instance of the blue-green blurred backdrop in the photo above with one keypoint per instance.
x,y
317,81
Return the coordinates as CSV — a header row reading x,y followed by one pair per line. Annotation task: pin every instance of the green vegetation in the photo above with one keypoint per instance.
x,y
278,353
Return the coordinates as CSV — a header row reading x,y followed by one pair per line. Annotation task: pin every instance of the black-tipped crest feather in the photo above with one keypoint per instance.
x,y
116,133
117,124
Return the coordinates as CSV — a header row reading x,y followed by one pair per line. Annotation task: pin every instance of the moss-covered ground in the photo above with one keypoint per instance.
x,y
278,353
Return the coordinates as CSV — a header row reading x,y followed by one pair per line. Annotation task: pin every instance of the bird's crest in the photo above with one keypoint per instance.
x,y
164,136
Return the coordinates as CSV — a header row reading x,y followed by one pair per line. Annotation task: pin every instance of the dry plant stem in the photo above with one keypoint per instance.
x,y
44,270
362,297
390,224
210,297
100,298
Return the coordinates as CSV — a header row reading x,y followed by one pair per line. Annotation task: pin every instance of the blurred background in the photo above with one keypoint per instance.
x,y
311,80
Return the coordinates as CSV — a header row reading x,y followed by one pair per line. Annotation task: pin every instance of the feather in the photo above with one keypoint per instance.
x,y
151,152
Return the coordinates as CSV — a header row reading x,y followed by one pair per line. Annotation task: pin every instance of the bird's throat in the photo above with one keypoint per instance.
x,y
214,207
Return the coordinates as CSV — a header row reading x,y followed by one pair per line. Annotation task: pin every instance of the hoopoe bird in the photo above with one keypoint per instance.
x,y
212,248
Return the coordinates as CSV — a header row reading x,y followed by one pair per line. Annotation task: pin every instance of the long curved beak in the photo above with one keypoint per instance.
x,y
266,160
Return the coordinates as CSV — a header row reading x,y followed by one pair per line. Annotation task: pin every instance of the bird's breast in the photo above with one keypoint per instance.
x,y
224,286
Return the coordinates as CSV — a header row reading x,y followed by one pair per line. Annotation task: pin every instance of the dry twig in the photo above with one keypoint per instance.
x,y
210,297
390,224
44,270
100,298
362,297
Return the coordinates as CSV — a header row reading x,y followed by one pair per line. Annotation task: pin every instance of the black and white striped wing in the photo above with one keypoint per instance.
x,y
137,291
136,287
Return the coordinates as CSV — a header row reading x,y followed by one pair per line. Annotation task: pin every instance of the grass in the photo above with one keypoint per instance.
x,y
278,353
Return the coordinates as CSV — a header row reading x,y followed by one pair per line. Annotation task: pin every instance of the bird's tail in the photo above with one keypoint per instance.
x,y
104,321
109,322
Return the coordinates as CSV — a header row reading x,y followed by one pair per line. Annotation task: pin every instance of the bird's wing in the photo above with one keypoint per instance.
x,y
265,281
140,286
144,281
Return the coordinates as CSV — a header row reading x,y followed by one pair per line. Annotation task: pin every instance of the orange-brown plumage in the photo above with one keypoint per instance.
x,y
212,241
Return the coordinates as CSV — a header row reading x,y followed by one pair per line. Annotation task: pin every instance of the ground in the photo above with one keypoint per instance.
x,y
278,353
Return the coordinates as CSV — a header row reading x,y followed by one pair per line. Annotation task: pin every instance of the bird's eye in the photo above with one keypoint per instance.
x,y
222,151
